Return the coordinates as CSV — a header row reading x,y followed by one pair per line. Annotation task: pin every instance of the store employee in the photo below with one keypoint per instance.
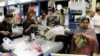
x,y
5,29
29,25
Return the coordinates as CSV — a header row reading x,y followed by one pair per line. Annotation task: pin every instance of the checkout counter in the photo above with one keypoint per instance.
x,y
22,48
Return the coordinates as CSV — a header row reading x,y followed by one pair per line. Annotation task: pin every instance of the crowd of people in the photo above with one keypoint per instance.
x,y
86,38
84,41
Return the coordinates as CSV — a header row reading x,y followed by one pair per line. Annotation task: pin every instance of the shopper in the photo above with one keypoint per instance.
x,y
96,21
88,43
43,20
90,14
56,30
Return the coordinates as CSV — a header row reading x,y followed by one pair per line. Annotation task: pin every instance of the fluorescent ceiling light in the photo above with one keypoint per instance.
x,y
23,1
10,2
2,3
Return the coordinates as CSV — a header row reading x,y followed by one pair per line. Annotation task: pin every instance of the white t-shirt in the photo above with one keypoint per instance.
x,y
43,25
91,25
96,20
59,30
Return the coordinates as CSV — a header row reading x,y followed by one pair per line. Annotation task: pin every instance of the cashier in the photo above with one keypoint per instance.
x,y
29,25
5,30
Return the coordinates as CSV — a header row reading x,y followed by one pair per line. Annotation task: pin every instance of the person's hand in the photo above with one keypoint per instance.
x,y
78,34
33,25
12,35
83,34
4,32
6,54
95,54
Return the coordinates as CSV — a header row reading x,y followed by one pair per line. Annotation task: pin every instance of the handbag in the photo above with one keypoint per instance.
x,y
80,41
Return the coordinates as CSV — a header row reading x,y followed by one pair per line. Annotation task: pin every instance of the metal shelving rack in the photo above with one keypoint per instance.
x,y
76,8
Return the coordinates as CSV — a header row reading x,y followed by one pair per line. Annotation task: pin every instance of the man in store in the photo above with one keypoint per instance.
x,y
5,30
96,21
90,14
56,30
